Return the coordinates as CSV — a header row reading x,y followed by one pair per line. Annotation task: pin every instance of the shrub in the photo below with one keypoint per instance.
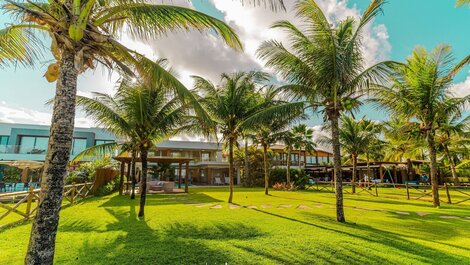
x,y
298,177
109,187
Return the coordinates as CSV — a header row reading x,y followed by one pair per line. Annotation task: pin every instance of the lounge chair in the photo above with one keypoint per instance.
x,y
218,181
227,180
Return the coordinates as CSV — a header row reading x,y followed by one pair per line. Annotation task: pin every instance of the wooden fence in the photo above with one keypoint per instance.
x,y
448,193
25,203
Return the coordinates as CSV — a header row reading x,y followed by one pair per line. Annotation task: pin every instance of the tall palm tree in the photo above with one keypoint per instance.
x,y
236,106
144,114
420,90
303,140
83,33
401,140
462,3
452,136
325,66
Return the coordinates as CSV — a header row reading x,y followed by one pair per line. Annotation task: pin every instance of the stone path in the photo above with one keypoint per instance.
x,y
319,205
423,213
402,213
233,206
449,217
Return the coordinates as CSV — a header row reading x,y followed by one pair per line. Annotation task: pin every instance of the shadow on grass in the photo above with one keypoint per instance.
x,y
161,199
368,234
138,243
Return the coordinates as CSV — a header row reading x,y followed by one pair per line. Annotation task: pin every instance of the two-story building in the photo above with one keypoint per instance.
x,y
207,160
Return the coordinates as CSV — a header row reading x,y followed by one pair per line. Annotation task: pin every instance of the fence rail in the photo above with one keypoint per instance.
x,y
25,203
449,194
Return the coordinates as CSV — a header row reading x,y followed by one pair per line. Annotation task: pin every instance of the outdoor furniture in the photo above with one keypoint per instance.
x,y
25,185
218,181
227,180
3,187
166,186
155,185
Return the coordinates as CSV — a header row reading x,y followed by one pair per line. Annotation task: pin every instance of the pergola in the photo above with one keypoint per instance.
x,y
160,160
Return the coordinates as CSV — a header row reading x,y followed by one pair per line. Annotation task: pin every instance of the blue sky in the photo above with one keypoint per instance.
x,y
406,23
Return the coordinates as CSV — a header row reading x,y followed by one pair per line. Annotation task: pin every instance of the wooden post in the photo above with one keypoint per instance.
x,y
121,179
186,178
73,193
128,176
407,191
376,192
449,201
381,173
179,176
29,202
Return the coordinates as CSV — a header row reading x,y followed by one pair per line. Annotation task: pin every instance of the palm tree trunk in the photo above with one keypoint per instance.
x,y
247,163
333,116
143,180
230,169
452,166
354,173
43,233
368,171
133,158
266,171
289,151
433,156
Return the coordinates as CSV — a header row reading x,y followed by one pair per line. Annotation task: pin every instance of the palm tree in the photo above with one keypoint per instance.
x,y
451,138
83,34
145,115
236,106
325,66
462,3
303,139
420,91
289,140
356,138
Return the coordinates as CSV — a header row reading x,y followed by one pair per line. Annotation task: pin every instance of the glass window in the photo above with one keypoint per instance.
x,y
78,146
205,156
4,140
33,144
98,142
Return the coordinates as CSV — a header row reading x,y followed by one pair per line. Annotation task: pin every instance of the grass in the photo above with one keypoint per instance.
x,y
184,229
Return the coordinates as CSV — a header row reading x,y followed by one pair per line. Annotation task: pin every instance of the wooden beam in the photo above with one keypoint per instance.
x,y
179,176
186,178
121,179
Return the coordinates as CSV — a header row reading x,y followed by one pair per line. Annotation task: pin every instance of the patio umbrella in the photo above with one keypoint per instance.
x,y
22,164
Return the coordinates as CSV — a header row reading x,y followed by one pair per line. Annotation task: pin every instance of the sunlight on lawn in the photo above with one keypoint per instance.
x,y
284,228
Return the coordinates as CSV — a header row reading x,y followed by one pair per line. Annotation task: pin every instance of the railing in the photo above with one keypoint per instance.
x,y
25,203
449,194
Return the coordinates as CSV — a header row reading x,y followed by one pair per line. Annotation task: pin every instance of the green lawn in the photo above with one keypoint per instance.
x,y
285,228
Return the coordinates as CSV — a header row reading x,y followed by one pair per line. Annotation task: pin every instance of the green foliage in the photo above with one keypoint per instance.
x,y
86,171
108,188
11,174
255,159
298,177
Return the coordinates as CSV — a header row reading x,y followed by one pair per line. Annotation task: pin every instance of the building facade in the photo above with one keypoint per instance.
x,y
209,164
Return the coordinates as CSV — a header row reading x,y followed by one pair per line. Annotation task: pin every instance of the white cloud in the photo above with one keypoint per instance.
x,y
17,114
461,89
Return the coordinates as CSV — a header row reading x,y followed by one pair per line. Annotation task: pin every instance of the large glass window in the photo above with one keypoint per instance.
x,y
79,144
33,144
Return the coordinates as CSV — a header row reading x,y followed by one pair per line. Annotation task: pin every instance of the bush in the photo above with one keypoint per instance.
x,y
86,171
298,177
109,188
